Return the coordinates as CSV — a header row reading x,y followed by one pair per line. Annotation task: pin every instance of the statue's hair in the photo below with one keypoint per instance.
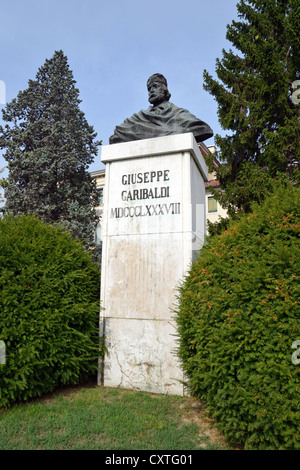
x,y
158,77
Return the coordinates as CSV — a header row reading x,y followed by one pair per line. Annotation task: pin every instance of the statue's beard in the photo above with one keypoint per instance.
x,y
158,99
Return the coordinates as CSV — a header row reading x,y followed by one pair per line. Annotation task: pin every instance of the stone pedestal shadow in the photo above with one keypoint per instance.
x,y
153,225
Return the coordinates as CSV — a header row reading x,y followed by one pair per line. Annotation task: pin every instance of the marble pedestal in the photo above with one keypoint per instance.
x,y
153,224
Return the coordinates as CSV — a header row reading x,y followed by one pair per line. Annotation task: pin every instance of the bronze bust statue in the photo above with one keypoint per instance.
x,y
161,118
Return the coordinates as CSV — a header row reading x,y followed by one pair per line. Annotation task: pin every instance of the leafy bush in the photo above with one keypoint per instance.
x,y
238,316
49,308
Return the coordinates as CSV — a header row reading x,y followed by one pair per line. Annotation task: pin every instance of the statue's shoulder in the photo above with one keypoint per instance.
x,y
171,106
177,109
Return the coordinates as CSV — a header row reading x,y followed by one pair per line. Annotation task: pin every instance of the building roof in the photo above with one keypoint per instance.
x,y
212,183
97,173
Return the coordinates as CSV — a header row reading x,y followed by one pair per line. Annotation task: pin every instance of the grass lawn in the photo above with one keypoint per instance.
x,y
89,417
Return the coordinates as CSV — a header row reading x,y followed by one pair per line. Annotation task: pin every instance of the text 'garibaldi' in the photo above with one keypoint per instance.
x,y
161,118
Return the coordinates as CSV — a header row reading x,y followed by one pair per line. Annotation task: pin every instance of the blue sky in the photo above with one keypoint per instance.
x,y
113,46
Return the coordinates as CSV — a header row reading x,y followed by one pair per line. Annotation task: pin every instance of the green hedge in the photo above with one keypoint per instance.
x,y
238,316
49,309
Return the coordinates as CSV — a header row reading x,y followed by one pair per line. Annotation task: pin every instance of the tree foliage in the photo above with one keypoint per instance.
x,y
238,318
2,185
48,146
49,309
257,100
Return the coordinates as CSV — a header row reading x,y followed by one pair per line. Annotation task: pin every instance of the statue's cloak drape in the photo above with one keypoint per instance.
x,y
158,121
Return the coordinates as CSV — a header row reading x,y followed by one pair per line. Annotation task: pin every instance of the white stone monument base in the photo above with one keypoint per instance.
x,y
142,356
154,220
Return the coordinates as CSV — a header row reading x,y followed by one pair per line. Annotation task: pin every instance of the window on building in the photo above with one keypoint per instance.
x,y
212,204
101,196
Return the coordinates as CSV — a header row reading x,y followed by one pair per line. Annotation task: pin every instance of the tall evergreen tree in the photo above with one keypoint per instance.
x,y
2,183
49,146
255,93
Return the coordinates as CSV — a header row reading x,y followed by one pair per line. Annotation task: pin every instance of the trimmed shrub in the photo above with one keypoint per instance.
x,y
49,309
238,316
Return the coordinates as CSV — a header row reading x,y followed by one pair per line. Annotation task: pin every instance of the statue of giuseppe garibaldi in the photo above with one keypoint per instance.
x,y
161,118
